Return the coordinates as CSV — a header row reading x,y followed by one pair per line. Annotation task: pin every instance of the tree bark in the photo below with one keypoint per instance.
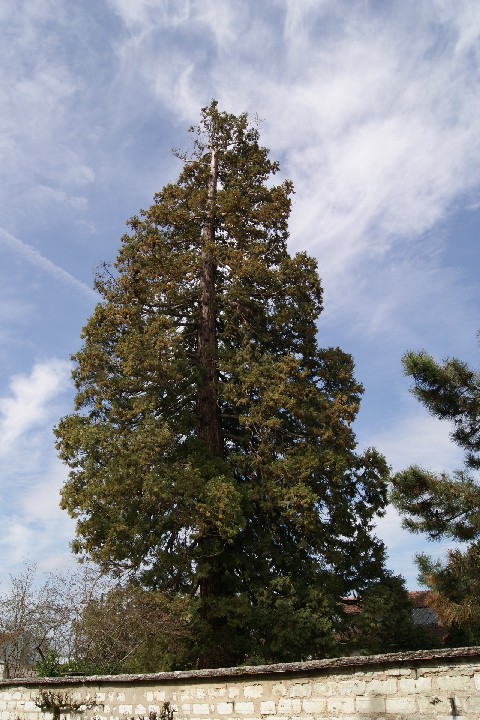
x,y
208,413
208,416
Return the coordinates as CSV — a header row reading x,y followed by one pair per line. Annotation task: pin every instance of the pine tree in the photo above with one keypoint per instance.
x,y
443,505
439,504
211,452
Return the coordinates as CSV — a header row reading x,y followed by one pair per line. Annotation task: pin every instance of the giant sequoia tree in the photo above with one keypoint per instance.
x,y
211,449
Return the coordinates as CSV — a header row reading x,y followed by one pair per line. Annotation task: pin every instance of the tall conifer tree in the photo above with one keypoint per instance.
x,y
211,448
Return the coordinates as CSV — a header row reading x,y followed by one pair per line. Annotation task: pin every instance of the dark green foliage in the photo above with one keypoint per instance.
x,y
211,452
450,390
444,505
438,504
385,623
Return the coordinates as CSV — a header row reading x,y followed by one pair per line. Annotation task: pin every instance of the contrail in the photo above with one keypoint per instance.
x,y
36,258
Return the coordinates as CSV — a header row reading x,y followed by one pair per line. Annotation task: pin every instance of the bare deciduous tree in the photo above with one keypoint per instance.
x,y
85,621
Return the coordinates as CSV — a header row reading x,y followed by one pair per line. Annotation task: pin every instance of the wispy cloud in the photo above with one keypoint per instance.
x,y
31,520
143,15
14,542
41,119
424,439
371,108
389,137
403,546
374,114
426,442
28,404
35,257
46,541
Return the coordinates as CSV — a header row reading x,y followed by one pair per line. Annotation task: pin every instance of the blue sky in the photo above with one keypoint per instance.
x,y
372,109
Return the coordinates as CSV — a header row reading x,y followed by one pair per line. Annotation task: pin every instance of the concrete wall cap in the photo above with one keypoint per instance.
x,y
308,666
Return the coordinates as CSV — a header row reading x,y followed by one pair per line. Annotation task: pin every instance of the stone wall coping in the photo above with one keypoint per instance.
x,y
308,666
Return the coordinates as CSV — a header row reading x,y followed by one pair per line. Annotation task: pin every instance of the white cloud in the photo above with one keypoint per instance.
x,y
40,502
28,405
378,128
142,16
228,22
46,543
87,227
371,107
42,122
15,542
45,195
402,546
422,439
414,439
390,142
31,520
373,113
38,260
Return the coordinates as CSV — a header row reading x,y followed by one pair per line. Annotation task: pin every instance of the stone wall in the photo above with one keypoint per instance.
x,y
441,684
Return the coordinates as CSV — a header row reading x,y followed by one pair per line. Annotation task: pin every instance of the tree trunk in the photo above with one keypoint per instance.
x,y
208,416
